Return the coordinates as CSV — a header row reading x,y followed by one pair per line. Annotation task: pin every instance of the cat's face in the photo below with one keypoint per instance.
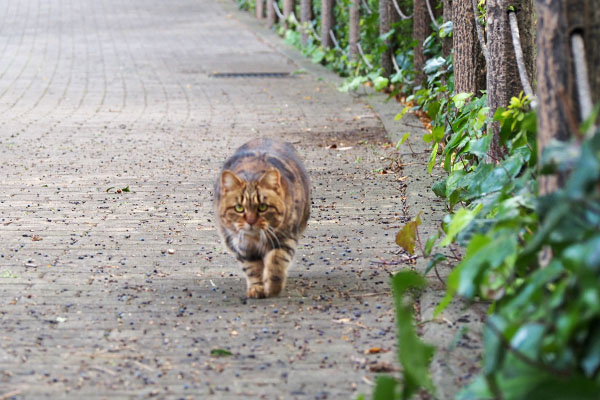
x,y
251,207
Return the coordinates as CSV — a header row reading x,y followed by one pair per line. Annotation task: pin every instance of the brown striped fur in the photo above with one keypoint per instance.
x,y
262,202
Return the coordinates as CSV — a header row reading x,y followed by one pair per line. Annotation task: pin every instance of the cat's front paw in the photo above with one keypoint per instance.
x,y
256,292
273,286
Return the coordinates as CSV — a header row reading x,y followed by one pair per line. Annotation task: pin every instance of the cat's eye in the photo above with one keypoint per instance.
x,y
262,207
239,208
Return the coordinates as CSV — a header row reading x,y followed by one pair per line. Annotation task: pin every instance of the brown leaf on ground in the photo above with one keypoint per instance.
x,y
375,350
382,367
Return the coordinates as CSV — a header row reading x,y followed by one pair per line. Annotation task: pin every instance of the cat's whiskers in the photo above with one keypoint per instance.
x,y
241,239
272,234
268,236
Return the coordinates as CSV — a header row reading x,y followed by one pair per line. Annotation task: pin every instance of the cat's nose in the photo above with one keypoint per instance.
x,y
251,218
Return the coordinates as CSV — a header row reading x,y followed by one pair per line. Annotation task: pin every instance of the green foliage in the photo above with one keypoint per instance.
x,y
536,259
414,355
246,5
545,320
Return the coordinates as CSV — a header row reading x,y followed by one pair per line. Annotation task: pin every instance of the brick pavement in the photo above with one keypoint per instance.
x,y
99,94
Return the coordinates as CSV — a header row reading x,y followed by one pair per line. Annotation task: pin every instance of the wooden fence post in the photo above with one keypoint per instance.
x,y
469,62
260,9
385,23
288,8
447,13
326,23
502,74
271,16
421,29
354,29
558,110
305,18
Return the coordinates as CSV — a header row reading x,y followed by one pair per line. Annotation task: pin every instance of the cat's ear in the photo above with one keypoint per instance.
x,y
230,181
271,180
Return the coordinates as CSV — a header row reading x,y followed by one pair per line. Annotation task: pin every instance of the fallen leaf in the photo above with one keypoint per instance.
x,y
373,350
220,353
381,367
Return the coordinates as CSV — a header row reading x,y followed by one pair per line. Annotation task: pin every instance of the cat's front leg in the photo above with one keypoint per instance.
x,y
277,262
254,278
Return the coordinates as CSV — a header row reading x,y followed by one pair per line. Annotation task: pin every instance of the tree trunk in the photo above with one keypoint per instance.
x,y
447,41
305,18
354,29
326,23
469,63
260,9
502,74
421,29
271,16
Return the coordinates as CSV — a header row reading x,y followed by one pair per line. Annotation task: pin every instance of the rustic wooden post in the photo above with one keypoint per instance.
x,y
591,36
326,23
260,9
271,16
385,23
421,29
288,8
354,29
469,62
502,74
558,109
305,18
447,13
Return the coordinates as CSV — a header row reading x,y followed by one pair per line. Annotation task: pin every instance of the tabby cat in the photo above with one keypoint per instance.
x,y
262,203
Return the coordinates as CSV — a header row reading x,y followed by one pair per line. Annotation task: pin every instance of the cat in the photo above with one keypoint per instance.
x,y
262,205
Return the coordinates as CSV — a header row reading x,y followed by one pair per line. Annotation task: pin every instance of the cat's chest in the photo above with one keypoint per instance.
x,y
256,243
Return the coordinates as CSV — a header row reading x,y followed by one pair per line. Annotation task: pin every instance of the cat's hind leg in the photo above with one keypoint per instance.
x,y
254,278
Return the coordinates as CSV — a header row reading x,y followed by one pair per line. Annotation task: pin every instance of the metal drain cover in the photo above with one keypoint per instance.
x,y
251,75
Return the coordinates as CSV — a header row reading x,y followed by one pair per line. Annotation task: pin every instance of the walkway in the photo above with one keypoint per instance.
x,y
117,295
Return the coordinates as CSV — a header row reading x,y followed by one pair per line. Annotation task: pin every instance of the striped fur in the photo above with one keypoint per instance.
x,y
262,203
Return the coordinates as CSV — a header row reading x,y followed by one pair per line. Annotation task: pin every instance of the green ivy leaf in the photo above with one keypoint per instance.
x,y
460,99
385,388
399,116
438,133
413,354
432,157
402,140
494,352
435,260
460,220
380,83
439,188
430,242
433,109
317,56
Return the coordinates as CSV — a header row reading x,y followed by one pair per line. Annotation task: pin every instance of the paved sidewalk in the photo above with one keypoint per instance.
x,y
113,94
